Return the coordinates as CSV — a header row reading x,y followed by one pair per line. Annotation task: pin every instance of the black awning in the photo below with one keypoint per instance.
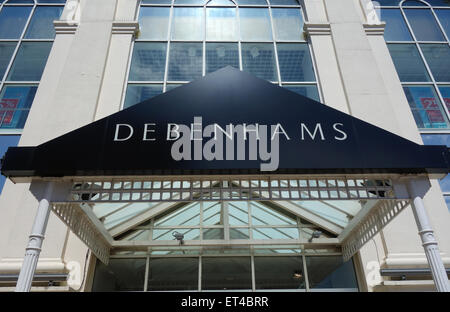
x,y
313,138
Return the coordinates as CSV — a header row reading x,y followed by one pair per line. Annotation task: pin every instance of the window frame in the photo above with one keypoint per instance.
x,y
4,82
239,42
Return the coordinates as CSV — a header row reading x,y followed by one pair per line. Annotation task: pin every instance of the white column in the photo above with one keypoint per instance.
x,y
429,242
35,242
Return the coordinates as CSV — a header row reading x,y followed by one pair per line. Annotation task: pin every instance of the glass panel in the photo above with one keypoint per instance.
x,y
239,233
187,24
222,273
332,209
396,29
259,60
199,2
438,59
413,3
279,273
263,215
388,2
424,25
251,2
213,234
212,213
173,274
436,139
156,1
275,233
138,235
148,62
444,18
172,86
220,2
187,215
408,63
295,62
426,107
445,92
5,142
447,201
305,90
138,93
283,2
431,2
221,24
41,25
185,62
219,55
238,213
51,1
154,23
255,24
124,212
288,24
30,61
330,272
119,275
20,1
12,21
15,103
6,51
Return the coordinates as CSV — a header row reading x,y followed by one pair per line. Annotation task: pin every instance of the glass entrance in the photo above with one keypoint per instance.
x,y
221,272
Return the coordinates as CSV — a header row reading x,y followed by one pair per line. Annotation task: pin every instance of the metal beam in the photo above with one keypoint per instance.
x,y
365,210
146,215
143,245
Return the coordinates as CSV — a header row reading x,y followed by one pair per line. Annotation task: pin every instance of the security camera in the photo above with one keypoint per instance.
x,y
315,234
179,237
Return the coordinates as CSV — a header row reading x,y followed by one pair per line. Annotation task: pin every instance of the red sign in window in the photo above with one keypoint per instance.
x,y
7,109
432,109
447,103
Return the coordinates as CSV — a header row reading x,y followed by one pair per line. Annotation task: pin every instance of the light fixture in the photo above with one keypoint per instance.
x,y
179,237
297,275
315,234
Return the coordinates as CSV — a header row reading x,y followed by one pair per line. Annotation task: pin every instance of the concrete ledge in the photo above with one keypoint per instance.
x,y
49,265
374,29
312,29
39,289
125,27
65,27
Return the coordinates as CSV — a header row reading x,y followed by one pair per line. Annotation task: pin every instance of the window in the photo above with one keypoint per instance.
x,y
26,37
417,34
417,37
120,275
225,269
183,40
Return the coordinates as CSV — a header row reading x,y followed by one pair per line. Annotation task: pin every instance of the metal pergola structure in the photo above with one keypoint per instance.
x,y
381,198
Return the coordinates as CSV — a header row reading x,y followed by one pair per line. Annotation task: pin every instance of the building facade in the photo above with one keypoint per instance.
x,y
65,64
